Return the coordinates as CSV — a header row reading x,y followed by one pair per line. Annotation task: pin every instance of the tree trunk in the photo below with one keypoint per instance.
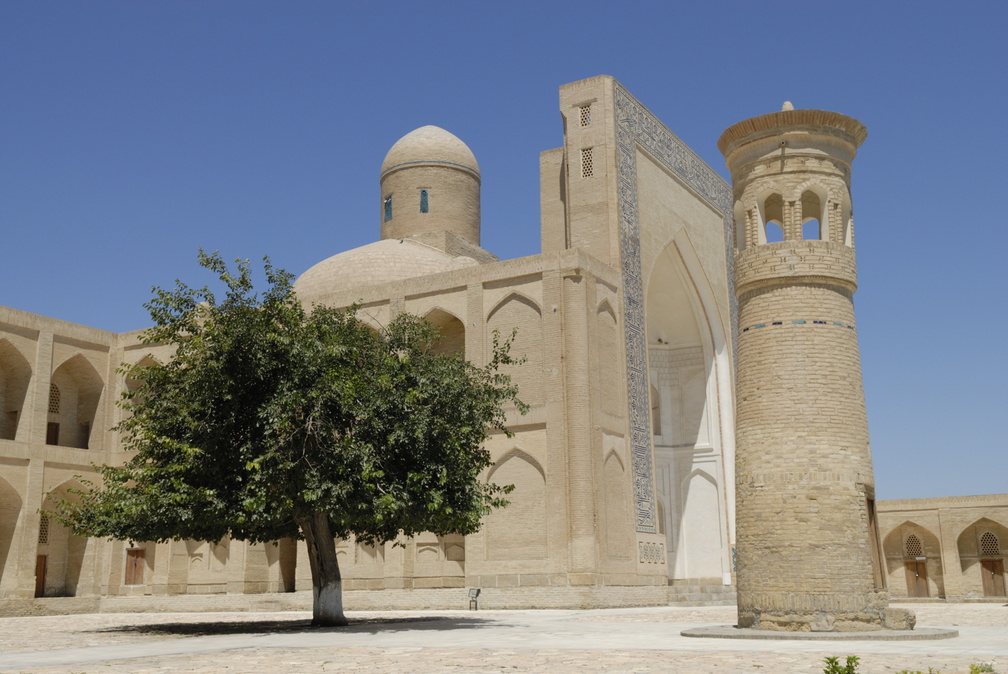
x,y
327,588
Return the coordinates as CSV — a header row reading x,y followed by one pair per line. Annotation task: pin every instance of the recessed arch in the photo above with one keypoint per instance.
x,y
520,530
514,296
612,453
133,377
452,330
700,540
913,560
10,515
64,552
15,375
607,357
518,312
519,453
606,307
80,389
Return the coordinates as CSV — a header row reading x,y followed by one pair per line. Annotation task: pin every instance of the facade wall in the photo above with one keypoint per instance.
x,y
959,541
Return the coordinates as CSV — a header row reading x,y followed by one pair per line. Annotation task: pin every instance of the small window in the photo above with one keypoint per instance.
x,y
587,163
388,208
585,115
423,201
43,530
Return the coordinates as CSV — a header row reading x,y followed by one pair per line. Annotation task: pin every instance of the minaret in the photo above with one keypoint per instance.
x,y
807,548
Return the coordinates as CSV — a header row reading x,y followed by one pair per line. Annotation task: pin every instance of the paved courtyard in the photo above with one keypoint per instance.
x,y
617,640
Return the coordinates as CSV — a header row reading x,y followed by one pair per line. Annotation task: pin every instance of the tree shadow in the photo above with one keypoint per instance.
x,y
292,626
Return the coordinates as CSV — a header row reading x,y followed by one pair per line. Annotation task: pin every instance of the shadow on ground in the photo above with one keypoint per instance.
x,y
371,626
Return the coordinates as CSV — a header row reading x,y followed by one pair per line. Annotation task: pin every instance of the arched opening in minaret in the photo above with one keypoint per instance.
x,y
687,443
812,217
772,214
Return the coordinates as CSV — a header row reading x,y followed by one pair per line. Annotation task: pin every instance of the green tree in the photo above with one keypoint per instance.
x,y
273,422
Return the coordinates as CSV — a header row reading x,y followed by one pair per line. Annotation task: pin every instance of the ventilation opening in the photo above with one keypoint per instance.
x,y
585,115
423,201
913,546
43,531
54,399
388,208
989,546
587,163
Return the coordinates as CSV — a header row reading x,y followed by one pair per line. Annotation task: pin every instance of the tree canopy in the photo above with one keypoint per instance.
x,y
271,421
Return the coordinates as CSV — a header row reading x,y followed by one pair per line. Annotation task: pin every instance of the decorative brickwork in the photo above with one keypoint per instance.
x,y
637,127
803,464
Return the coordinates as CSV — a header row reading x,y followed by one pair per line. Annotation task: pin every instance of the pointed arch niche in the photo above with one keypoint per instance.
x,y
518,531
452,332
688,456
913,561
64,553
10,514
76,390
982,547
15,374
518,311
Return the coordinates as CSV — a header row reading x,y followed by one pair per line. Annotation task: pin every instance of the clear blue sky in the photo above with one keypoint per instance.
x,y
133,132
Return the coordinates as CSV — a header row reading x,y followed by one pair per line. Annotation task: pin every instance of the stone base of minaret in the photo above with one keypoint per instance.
x,y
874,615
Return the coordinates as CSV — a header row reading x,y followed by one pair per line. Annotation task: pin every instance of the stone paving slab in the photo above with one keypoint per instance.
x,y
632,640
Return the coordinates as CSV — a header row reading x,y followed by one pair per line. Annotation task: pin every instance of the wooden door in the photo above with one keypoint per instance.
x,y
993,577
134,566
916,577
40,573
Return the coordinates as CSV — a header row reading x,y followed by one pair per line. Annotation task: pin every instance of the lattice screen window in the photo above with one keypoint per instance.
x,y
913,546
54,399
587,162
585,115
989,545
43,530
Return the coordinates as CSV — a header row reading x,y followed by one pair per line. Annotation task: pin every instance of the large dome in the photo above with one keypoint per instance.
x,y
373,264
429,145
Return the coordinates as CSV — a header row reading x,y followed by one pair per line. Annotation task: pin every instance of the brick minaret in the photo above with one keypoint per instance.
x,y
806,543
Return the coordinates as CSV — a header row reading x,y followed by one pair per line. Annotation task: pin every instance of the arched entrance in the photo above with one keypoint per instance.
x,y
60,554
687,437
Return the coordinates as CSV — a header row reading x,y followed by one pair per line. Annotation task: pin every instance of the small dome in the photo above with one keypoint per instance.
x,y
430,145
373,264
